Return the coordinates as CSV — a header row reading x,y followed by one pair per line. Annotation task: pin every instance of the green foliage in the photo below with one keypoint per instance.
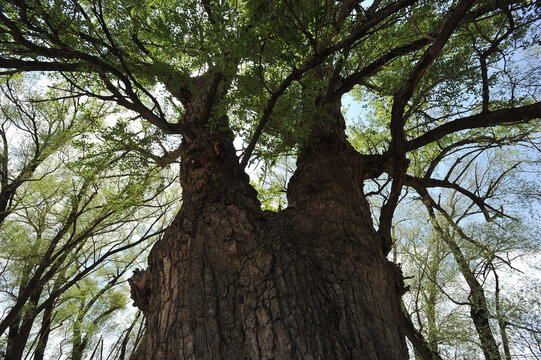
x,y
502,248
93,177
88,196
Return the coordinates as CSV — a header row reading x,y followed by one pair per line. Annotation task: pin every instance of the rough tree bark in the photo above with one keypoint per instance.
x,y
230,281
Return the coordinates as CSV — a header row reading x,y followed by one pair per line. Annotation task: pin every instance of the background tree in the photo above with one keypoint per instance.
x,y
75,214
229,280
480,252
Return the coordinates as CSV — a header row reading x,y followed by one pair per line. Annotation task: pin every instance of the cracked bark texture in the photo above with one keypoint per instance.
x,y
230,281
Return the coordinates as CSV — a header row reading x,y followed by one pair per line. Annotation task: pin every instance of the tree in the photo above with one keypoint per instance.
x,y
471,316
32,130
71,214
229,280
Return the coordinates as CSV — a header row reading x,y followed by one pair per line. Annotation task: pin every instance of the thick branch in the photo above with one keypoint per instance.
x,y
502,117
484,82
22,65
397,149
356,78
79,61
137,106
406,91
316,60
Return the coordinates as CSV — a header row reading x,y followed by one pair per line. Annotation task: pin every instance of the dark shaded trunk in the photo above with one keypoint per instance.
x,y
19,337
12,336
125,338
423,349
4,200
44,333
230,281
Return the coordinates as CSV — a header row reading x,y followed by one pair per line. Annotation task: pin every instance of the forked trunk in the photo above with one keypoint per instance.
x,y
230,281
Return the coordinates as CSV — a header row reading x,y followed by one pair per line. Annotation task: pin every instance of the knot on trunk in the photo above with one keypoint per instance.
x,y
140,290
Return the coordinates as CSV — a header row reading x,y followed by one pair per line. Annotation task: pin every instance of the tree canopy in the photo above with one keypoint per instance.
x,y
445,87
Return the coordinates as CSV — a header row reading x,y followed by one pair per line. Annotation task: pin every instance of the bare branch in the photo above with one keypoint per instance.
x,y
477,200
431,205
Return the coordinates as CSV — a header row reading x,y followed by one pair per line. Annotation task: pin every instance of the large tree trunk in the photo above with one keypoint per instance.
x,y
230,281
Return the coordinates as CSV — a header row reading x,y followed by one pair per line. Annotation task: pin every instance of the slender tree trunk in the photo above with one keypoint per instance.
x,y
79,340
422,348
479,312
126,338
230,281
480,316
47,320
433,268
478,303
15,323
501,317
505,339
44,333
